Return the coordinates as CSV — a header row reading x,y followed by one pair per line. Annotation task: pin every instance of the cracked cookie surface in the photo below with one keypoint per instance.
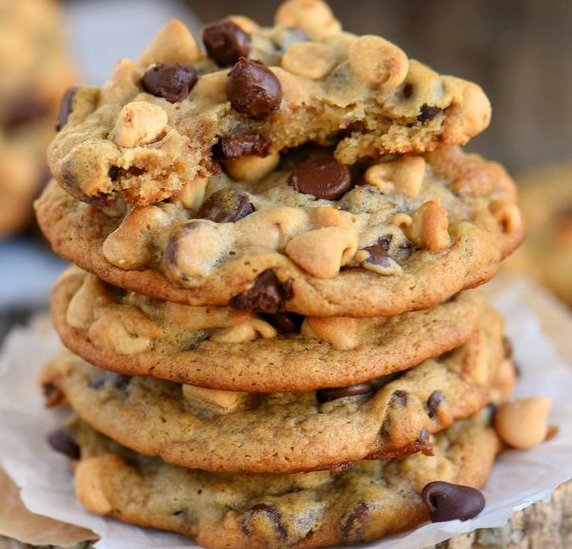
x,y
223,348
407,235
364,502
288,432
163,120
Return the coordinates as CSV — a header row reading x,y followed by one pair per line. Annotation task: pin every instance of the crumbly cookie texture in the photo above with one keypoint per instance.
x,y
309,237
361,503
35,73
288,432
547,208
175,113
223,348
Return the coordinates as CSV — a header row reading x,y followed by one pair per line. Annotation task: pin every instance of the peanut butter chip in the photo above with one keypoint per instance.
x,y
321,177
310,59
226,42
172,81
253,89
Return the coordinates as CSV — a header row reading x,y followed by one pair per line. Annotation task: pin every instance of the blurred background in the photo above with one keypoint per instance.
x,y
517,50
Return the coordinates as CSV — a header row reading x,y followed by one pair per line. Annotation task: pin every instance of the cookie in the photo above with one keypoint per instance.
x,y
547,206
223,348
287,432
176,112
35,73
361,503
414,233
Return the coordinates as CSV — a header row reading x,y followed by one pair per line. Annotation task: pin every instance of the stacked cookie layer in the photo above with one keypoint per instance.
x,y
36,71
272,342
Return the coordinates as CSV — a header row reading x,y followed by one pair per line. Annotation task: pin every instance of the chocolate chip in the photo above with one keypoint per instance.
x,y
448,501
287,323
27,108
398,398
433,402
172,81
226,42
408,91
267,512
53,395
507,347
253,89
110,379
62,442
321,177
352,526
377,256
427,113
239,144
385,241
66,108
225,206
267,295
327,395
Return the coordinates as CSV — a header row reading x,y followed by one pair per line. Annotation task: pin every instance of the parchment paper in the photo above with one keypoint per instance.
x,y
518,480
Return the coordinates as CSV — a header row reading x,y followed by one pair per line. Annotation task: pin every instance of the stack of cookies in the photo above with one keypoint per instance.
x,y
272,345
35,73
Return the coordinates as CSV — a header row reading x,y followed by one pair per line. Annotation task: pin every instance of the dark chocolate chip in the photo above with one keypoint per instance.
x,y
287,323
53,395
507,347
352,526
433,402
321,177
66,108
62,442
427,113
27,108
172,81
268,513
267,295
408,91
385,241
253,89
110,379
377,256
239,144
448,501
225,206
398,398
327,395
226,42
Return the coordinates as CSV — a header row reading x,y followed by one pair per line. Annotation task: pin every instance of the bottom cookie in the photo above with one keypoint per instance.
x,y
359,503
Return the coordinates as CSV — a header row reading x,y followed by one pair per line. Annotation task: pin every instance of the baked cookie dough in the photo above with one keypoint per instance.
x,y
287,432
414,231
35,73
224,348
361,503
176,112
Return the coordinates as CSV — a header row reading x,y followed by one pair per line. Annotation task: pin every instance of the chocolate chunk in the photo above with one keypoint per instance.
x,y
267,295
407,91
385,241
172,81
428,113
287,323
433,402
238,144
399,398
225,206
66,108
507,347
52,394
352,526
226,42
27,108
110,379
268,513
62,442
448,501
253,89
321,177
327,395
377,256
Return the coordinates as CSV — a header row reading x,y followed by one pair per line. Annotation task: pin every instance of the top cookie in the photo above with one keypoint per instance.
x,y
175,113
35,73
